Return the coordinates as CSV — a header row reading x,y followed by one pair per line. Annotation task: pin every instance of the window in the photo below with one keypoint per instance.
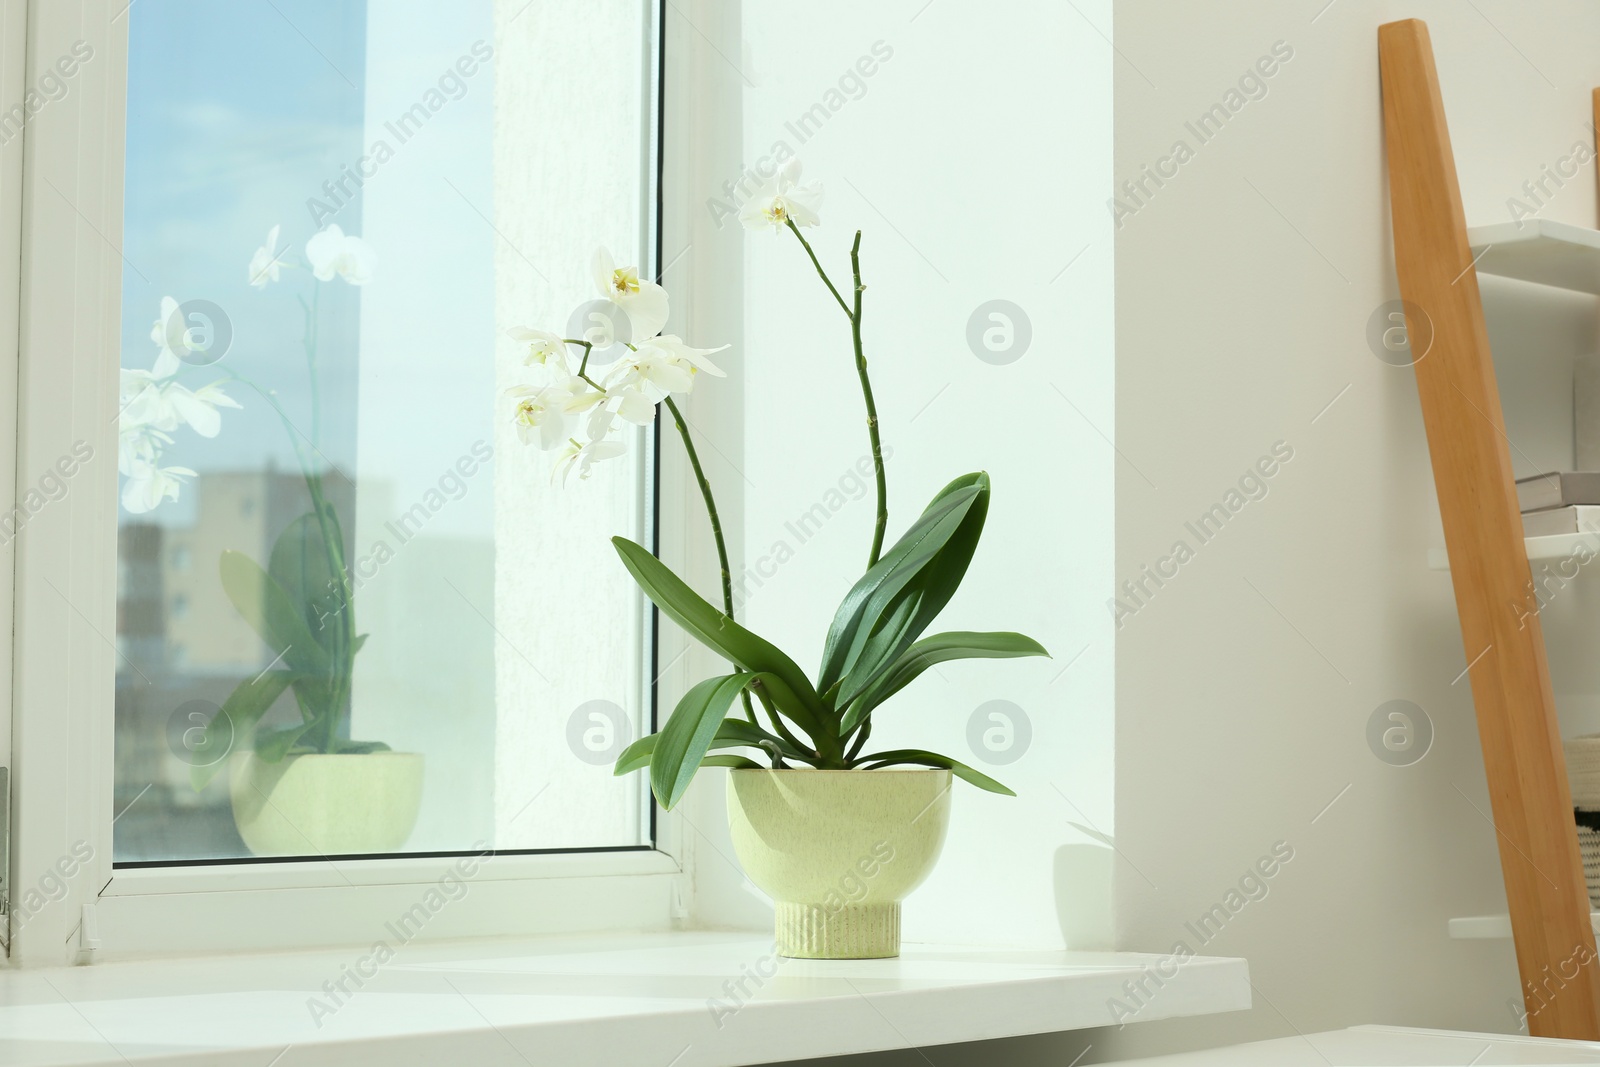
x,y
332,213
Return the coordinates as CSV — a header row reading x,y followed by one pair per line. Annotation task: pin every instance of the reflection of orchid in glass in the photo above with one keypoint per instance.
x,y
153,405
300,602
149,484
267,261
333,252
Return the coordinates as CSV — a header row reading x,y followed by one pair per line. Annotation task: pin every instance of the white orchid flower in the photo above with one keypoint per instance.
x,y
150,399
138,448
782,200
149,485
666,363
584,457
543,347
632,402
541,415
600,421
166,359
582,396
333,252
644,302
672,347
197,407
266,263
635,405
152,405
139,398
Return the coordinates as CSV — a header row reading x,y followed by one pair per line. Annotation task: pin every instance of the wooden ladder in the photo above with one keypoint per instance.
x,y
1504,643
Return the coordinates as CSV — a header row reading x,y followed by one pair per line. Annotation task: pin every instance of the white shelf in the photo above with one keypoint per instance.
x,y
1555,546
1495,927
1386,1046
1537,250
626,999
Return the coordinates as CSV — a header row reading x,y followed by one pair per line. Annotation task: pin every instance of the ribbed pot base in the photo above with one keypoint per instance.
x,y
849,932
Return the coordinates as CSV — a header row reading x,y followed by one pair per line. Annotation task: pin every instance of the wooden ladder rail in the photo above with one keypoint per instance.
x,y
1500,629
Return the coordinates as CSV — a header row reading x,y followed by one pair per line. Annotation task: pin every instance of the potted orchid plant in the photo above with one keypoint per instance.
x,y
307,787
813,809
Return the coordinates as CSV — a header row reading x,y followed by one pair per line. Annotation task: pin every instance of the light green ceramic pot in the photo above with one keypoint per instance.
x,y
325,805
837,851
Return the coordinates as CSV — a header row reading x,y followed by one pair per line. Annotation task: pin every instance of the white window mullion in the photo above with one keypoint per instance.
x,y
13,60
66,549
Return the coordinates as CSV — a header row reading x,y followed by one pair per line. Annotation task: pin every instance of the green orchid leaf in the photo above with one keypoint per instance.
x,y
932,589
921,758
636,757
738,763
683,743
892,632
233,723
273,745
957,644
856,613
336,554
314,696
268,607
787,684
896,599
342,747
300,563
732,733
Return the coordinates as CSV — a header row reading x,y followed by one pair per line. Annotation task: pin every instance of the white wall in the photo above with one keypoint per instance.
x,y
1244,290
963,198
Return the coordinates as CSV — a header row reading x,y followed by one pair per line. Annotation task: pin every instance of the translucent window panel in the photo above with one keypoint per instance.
x,y
333,213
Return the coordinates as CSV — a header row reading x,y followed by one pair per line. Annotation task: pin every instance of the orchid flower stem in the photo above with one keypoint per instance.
x,y
299,453
826,280
716,528
312,322
854,315
882,521
588,347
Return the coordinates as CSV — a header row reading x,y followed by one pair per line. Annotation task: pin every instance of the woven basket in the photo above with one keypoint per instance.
x,y
1583,775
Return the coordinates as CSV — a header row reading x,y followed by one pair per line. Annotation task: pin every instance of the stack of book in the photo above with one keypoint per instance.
x,y
1561,502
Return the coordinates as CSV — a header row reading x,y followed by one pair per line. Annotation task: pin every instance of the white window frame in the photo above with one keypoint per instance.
x,y
60,232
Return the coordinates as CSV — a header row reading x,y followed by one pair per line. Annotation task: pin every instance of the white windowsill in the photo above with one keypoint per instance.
x,y
622,999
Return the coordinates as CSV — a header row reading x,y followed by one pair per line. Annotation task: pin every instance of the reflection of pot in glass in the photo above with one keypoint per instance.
x,y
326,805
301,606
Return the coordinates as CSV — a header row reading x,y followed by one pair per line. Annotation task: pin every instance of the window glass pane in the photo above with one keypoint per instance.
x,y
331,219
